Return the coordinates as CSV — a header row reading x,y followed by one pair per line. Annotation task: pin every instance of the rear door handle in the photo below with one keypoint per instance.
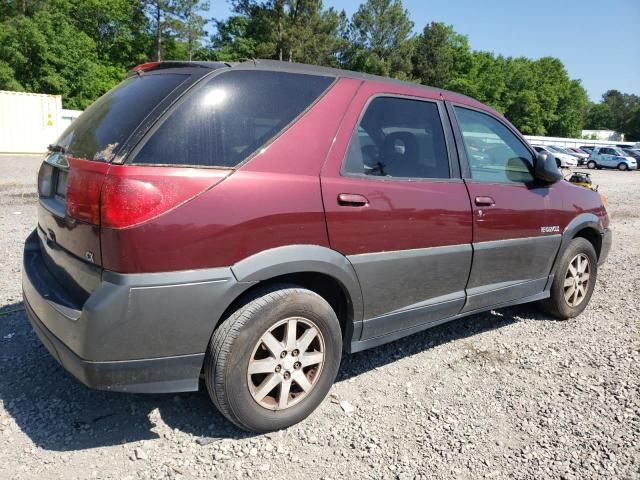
x,y
485,202
352,200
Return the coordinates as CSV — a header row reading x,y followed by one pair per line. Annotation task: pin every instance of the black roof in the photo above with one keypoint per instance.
x,y
276,65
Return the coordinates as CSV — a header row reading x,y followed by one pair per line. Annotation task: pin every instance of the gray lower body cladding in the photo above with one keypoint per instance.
x,y
605,246
426,287
149,332
156,375
137,332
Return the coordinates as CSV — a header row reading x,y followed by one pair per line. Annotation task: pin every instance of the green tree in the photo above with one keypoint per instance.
x,y
189,24
160,13
118,28
289,30
632,125
48,55
381,39
572,104
231,42
599,117
441,55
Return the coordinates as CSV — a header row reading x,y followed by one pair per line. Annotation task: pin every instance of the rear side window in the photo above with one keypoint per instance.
x,y
102,128
229,118
398,137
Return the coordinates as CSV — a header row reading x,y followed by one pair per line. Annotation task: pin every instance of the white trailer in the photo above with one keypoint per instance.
x,y
31,121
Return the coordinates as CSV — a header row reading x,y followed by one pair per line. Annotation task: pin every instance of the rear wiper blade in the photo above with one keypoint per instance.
x,y
54,147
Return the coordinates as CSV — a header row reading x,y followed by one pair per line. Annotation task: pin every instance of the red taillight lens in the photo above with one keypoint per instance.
x,y
132,195
121,196
83,190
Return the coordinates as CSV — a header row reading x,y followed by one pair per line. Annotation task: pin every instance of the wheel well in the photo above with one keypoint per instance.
x,y
593,237
324,285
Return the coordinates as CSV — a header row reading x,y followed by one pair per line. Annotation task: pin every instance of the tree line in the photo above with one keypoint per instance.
x,y
81,48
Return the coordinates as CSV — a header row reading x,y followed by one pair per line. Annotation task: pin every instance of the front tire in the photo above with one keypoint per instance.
x,y
623,166
573,281
591,165
273,361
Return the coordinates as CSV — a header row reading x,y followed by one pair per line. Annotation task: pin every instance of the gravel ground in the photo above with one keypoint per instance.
x,y
509,393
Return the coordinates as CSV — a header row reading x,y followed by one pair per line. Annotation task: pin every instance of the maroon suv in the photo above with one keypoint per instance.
x,y
246,223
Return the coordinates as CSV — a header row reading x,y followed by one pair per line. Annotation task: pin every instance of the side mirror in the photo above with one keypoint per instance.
x,y
546,169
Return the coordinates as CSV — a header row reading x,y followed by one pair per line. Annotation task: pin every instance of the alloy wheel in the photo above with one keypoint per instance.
x,y
576,282
286,363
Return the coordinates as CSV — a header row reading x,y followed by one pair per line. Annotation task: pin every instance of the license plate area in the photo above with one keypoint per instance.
x,y
52,183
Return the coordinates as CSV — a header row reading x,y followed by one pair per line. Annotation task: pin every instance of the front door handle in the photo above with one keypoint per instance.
x,y
485,202
352,200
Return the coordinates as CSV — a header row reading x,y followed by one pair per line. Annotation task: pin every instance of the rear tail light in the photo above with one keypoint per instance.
x,y
84,182
45,180
132,195
118,196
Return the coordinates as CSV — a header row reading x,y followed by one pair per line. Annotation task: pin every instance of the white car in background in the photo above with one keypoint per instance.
x,y
563,160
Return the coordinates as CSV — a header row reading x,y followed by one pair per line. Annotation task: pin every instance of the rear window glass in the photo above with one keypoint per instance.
x,y
229,118
102,128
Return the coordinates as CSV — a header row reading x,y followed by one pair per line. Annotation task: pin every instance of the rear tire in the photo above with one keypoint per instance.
x,y
573,282
246,342
591,165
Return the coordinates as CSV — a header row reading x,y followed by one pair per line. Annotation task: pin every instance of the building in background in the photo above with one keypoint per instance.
x,y
31,121
606,135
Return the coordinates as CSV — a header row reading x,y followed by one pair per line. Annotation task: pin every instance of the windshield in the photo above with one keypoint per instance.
x,y
102,128
554,149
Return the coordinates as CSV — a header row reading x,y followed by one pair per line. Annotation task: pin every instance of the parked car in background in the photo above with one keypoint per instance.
x,y
581,153
587,148
611,157
563,160
245,223
582,156
633,152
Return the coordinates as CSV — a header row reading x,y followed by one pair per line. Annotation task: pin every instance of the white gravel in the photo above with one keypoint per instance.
x,y
508,393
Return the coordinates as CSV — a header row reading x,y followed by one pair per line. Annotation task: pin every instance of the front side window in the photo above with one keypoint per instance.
x,y
398,137
231,117
495,154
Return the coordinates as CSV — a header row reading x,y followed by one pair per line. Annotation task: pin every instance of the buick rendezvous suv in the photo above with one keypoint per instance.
x,y
246,223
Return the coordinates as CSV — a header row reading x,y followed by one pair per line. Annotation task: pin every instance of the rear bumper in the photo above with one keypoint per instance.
x,y
155,375
605,247
138,332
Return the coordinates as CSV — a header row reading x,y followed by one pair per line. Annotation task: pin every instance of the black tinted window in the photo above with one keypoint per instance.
x,y
398,137
495,154
102,128
232,116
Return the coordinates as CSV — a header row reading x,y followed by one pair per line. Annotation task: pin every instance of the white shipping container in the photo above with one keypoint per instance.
x,y
29,121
